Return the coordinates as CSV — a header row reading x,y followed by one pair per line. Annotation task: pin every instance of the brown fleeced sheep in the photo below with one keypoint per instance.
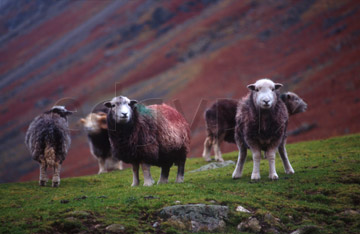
x,y
220,122
48,140
97,132
261,122
148,135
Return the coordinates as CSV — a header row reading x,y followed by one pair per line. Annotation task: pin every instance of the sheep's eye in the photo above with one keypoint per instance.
x,y
257,90
112,105
273,89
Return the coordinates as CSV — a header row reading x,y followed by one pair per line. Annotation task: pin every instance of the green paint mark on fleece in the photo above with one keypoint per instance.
x,y
143,110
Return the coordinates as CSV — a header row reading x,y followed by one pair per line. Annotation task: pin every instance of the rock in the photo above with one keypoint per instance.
x,y
115,228
252,225
242,209
177,202
307,230
350,212
271,220
156,224
64,201
198,217
213,165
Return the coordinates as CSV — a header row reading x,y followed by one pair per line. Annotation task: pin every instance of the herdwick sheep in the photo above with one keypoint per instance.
x,y
97,131
148,135
261,122
48,140
220,122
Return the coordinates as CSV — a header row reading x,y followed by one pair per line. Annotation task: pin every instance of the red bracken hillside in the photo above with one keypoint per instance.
x,y
191,52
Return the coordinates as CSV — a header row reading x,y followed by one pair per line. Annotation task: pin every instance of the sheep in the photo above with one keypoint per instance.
x,y
148,135
261,122
220,122
96,129
48,140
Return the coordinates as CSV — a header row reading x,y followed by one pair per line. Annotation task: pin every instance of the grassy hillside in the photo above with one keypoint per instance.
x,y
324,191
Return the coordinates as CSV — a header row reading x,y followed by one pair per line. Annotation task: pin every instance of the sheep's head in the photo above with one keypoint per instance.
x,y
94,122
121,108
264,93
293,103
60,110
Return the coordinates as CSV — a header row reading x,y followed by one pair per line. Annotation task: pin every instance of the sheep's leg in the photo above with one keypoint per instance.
x,y
180,172
207,149
56,176
102,168
217,150
164,175
240,163
135,169
256,154
283,154
119,165
148,180
43,176
270,155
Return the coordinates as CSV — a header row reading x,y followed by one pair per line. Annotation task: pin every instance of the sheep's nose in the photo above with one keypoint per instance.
x,y
124,115
266,102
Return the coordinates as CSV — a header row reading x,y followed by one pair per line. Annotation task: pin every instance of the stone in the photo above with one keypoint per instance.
x,y
214,165
242,209
351,212
251,224
270,219
307,230
196,217
156,224
177,202
115,228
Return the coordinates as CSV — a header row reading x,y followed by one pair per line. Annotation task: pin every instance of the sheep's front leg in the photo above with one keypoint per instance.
x,y
240,162
119,165
207,149
270,155
56,176
102,168
283,154
135,169
164,175
256,154
217,150
43,176
148,180
180,172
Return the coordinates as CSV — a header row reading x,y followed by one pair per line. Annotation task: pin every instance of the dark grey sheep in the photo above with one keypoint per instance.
x,y
48,140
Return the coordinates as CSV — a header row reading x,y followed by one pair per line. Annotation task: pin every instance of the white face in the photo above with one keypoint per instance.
x,y
121,108
264,92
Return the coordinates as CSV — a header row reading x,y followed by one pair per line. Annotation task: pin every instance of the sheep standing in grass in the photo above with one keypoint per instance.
x,y
97,131
220,122
261,122
148,135
48,140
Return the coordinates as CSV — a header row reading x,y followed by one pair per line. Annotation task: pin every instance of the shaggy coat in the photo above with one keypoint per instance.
x,y
153,135
220,121
48,140
261,122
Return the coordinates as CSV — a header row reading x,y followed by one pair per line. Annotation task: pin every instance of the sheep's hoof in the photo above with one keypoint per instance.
x,y
134,184
236,175
55,184
149,183
102,172
42,183
255,176
291,171
220,160
273,177
207,159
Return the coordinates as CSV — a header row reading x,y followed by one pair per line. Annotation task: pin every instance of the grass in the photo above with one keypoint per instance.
x,y
326,183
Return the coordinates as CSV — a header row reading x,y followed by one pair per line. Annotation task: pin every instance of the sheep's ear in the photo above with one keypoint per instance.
x,y
133,102
102,121
251,87
69,112
278,86
108,104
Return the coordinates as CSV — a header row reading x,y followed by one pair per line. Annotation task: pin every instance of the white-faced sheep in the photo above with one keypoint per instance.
x,y
48,140
97,131
220,122
261,122
148,135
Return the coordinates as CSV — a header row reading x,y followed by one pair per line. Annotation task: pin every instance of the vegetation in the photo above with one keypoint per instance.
x,y
324,191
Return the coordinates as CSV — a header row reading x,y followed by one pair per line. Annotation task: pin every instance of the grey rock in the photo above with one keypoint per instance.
x,y
214,165
251,225
115,228
197,217
156,224
308,229
350,212
242,209
270,219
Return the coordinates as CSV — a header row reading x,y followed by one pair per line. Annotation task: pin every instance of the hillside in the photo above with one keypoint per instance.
x,y
80,53
324,194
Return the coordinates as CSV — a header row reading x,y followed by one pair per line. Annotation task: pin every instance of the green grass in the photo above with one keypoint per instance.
x,y
325,184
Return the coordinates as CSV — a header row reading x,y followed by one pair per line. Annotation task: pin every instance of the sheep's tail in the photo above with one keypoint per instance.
x,y
49,155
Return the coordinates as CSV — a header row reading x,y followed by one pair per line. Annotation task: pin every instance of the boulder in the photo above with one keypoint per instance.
x,y
214,165
196,217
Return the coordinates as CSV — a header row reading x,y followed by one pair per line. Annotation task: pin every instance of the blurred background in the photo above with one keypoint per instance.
x,y
188,52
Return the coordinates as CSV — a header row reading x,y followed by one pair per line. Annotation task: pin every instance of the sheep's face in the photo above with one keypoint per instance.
x,y
121,108
293,102
94,122
60,110
264,93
